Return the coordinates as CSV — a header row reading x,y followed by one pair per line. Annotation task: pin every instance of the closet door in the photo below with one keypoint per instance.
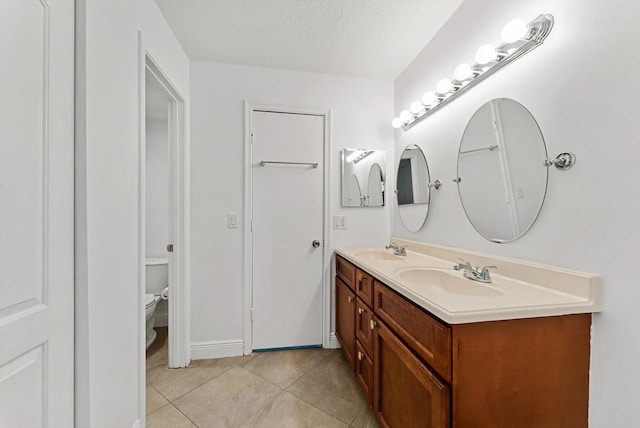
x,y
287,229
36,212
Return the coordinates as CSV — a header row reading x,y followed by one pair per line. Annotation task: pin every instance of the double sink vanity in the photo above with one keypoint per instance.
x,y
433,348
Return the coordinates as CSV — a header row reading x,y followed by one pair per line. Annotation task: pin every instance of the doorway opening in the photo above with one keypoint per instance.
x,y
162,219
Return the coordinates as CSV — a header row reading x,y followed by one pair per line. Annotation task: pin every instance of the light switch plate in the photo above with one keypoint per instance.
x,y
232,221
339,221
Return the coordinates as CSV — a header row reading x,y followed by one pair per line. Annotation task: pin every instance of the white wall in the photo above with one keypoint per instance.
x,y
361,112
107,308
580,89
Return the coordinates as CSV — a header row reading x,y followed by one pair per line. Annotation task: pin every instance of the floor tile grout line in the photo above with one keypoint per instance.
x,y
202,384
282,391
296,379
324,411
183,414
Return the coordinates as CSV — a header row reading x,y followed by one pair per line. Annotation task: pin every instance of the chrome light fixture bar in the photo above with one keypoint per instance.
x,y
518,39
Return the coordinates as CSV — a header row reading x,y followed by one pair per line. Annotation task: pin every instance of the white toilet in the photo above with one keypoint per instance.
x,y
156,288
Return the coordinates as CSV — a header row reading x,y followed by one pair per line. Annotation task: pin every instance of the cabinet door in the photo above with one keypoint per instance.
x,y
364,325
364,372
406,393
345,320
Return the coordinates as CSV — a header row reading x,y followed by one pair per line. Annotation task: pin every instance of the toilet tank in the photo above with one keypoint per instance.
x,y
157,274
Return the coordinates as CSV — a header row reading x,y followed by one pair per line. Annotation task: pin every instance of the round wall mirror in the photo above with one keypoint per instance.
x,y
502,178
413,188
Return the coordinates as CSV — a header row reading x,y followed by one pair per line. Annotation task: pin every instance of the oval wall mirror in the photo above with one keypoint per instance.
x,y
502,178
413,188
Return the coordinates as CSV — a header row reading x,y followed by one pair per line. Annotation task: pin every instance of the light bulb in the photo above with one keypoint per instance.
x,y
416,107
485,54
406,116
429,98
463,72
396,122
444,86
353,156
515,30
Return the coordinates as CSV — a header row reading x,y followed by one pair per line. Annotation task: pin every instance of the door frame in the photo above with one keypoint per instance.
x,y
249,108
179,167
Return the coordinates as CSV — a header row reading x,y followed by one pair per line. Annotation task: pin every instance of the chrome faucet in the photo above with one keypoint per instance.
x,y
470,273
398,250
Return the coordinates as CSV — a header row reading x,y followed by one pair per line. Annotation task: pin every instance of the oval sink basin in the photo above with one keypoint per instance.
x,y
447,282
378,255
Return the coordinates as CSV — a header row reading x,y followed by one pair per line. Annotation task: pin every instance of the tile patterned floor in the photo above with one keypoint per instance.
x,y
283,389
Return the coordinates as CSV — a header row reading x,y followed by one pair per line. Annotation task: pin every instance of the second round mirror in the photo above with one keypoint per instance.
x,y
413,188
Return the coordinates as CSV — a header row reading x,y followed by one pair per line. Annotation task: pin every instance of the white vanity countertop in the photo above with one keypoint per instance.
x,y
518,289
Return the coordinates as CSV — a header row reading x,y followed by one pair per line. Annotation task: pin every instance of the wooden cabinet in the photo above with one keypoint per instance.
x,y
345,320
364,326
418,371
364,287
428,337
346,272
364,371
407,394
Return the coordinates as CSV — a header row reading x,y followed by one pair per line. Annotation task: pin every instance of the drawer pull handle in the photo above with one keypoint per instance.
x,y
372,324
349,299
360,356
360,310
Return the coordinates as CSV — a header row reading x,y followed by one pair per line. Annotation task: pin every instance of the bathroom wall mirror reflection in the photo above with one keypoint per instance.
x,y
413,188
501,170
363,178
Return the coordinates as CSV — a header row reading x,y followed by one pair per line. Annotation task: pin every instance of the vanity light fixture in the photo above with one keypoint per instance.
x,y
357,156
518,38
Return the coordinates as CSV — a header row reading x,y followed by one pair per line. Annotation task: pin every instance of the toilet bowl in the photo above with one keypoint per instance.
x,y
157,279
150,302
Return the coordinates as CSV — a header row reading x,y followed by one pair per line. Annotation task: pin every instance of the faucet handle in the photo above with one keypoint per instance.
x,y
465,262
485,272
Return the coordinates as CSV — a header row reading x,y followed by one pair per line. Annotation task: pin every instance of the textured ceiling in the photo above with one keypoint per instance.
x,y
366,38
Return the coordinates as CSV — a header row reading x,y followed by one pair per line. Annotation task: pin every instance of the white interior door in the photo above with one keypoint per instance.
x,y
287,219
36,212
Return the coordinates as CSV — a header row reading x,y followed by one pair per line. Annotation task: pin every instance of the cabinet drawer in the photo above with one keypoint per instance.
x,y
364,287
364,325
364,371
346,271
427,337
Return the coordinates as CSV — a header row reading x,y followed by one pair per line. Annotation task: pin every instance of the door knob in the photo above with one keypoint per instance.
x,y
315,243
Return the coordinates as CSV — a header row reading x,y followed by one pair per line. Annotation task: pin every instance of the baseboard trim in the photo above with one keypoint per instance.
x,y
216,349
333,341
137,424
